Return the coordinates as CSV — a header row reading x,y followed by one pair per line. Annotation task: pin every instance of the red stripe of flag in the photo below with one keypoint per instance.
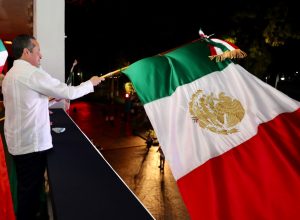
x,y
6,204
259,179
231,44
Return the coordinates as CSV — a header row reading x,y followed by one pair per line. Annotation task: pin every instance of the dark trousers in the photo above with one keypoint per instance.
x,y
30,169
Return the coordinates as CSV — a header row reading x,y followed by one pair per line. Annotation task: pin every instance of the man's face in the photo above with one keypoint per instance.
x,y
34,56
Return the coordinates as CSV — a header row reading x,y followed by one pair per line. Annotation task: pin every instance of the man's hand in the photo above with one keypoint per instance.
x,y
96,80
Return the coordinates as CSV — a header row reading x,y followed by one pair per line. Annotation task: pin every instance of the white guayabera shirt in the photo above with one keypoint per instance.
x,y
26,91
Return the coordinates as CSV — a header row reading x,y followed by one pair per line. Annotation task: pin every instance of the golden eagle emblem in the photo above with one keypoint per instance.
x,y
218,114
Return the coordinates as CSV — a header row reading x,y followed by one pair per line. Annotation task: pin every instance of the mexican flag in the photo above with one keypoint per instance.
x,y
6,203
3,55
231,140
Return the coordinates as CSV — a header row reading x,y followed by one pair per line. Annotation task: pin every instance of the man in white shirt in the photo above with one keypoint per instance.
x,y
26,90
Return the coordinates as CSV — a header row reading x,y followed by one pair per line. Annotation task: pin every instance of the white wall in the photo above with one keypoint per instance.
x,y
49,29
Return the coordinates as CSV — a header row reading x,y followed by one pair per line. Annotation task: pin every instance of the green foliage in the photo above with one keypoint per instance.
x,y
259,58
262,32
279,29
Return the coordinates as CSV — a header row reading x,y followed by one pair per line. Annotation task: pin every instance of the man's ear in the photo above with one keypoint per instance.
x,y
26,51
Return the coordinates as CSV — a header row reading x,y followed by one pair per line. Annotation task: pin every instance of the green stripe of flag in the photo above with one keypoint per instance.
x,y
2,47
159,76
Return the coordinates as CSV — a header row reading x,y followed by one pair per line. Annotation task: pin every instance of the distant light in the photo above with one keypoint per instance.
x,y
282,78
7,42
126,95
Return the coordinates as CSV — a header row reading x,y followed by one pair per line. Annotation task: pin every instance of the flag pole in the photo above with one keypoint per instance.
x,y
114,72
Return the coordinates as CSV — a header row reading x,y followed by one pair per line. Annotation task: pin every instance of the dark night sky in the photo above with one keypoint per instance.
x,y
100,34
105,34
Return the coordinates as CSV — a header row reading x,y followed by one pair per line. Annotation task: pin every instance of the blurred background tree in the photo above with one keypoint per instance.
x,y
268,34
